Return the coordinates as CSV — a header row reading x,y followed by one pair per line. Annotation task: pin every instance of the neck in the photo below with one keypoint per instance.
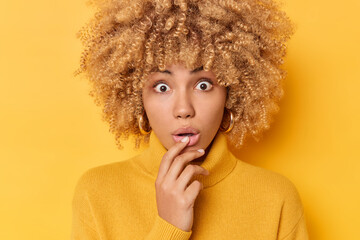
x,y
217,160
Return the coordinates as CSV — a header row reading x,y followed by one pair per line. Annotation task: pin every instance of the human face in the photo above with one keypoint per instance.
x,y
182,101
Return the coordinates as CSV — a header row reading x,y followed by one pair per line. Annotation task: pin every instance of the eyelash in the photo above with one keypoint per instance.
x,y
205,80
157,84
202,80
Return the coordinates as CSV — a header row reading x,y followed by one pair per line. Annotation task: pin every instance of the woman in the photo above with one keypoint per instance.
x,y
188,77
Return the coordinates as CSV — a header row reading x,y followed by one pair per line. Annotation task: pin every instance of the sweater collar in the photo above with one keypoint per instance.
x,y
219,161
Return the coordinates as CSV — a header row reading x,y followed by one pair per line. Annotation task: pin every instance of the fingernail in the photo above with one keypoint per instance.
x,y
185,139
201,150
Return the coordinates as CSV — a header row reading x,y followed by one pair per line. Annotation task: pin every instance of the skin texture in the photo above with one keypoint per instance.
x,y
184,104
175,194
176,98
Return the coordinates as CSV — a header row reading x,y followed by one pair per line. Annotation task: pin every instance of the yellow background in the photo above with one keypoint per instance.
x,y
51,131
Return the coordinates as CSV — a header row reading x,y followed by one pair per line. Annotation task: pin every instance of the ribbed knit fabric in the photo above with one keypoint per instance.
x,y
239,201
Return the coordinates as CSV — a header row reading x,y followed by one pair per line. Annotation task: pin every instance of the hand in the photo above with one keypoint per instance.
x,y
175,197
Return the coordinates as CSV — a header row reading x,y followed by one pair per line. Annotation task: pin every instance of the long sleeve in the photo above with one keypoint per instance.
x,y
292,222
81,230
239,201
299,232
84,221
164,230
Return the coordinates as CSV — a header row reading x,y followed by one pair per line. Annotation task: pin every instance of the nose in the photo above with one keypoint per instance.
x,y
183,106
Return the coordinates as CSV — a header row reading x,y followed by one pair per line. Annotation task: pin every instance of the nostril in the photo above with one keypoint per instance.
x,y
187,116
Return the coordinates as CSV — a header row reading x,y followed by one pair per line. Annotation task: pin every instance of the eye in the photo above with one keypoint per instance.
x,y
204,85
161,87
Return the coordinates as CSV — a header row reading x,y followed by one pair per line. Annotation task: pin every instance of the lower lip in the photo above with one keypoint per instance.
x,y
194,139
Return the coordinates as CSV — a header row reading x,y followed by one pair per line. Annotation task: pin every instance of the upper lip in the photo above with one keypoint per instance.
x,y
186,130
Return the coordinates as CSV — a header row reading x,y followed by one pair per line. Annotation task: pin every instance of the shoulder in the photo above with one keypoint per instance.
x,y
269,184
103,176
276,192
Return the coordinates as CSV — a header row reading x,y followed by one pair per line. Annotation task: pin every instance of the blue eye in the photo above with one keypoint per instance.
x,y
161,87
204,85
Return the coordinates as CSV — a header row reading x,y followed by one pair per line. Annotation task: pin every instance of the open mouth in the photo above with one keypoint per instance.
x,y
192,133
185,134
194,138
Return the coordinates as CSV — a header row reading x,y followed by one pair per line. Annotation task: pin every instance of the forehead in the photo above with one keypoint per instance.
x,y
180,70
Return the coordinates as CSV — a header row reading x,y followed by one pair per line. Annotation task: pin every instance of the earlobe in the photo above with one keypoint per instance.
x,y
228,117
144,125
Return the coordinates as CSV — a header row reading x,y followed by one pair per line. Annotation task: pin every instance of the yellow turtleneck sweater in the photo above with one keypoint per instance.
x,y
239,201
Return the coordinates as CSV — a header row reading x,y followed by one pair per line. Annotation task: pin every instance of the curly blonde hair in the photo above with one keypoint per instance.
x,y
242,42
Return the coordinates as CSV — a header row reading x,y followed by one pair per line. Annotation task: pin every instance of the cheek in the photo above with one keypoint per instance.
x,y
212,109
148,105
155,111
150,108
215,113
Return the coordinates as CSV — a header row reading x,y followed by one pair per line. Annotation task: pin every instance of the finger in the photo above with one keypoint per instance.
x,y
193,191
180,162
186,176
170,155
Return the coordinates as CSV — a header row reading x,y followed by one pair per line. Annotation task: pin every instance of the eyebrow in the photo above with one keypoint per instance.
x,y
192,72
